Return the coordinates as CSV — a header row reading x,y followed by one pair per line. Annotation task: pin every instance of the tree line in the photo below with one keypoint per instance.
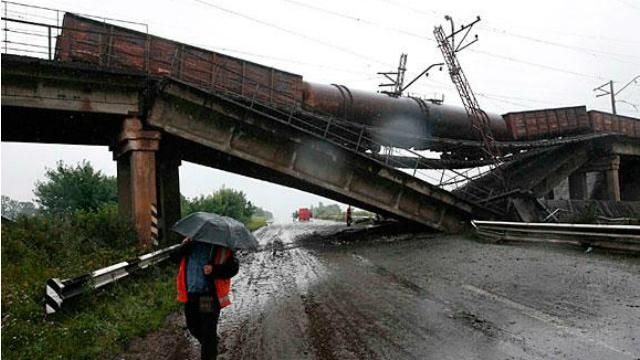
x,y
70,188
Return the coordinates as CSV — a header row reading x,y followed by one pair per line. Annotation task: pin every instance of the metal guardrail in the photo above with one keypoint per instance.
x,y
58,291
613,237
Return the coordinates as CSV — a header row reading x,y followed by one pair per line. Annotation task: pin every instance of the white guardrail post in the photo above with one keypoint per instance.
x,y
58,291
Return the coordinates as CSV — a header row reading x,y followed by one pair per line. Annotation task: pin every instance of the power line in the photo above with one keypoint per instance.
x,y
357,19
292,61
636,107
437,15
414,9
490,98
494,96
348,51
542,66
509,97
589,51
496,30
291,32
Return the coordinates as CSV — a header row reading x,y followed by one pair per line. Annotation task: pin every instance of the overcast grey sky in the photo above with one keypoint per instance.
x,y
531,54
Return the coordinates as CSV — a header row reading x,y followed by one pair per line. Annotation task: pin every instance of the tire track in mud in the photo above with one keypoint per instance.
x,y
339,320
388,323
338,324
458,312
330,328
273,322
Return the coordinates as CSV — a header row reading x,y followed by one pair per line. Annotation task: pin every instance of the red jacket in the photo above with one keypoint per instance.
x,y
223,286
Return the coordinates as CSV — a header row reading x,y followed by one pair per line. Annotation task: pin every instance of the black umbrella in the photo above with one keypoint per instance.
x,y
216,229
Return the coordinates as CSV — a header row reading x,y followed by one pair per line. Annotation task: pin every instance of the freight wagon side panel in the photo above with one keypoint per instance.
x,y
123,49
626,127
91,41
163,56
536,124
553,125
194,66
79,41
606,122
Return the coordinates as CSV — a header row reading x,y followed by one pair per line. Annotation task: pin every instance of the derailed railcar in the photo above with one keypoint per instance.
x,y
606,122
399,122
567,121
90,41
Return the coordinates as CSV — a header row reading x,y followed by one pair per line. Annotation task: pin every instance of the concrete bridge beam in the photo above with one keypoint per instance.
x,y
272,149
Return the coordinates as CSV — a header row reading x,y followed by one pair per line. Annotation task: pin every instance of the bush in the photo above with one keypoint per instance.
x,y
99,324
70,188
227,202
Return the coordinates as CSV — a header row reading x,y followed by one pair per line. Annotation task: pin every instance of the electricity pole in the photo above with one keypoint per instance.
x,y
604,92
479,118
398,83
612,93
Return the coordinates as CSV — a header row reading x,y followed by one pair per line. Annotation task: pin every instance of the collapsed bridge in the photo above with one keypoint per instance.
x,y
156,102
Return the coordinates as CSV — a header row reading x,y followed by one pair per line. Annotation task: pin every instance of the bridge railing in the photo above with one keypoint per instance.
x,y
37,31
32,30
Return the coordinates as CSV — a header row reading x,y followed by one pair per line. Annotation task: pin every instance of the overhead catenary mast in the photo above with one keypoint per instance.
x,y
479,118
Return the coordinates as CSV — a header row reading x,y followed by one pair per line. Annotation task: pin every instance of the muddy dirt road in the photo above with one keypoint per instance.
x,y
313,296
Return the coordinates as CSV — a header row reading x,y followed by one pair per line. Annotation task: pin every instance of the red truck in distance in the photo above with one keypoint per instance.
x,y
304,214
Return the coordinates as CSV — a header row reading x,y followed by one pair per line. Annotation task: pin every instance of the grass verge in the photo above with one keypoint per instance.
x,y
256,222
97,325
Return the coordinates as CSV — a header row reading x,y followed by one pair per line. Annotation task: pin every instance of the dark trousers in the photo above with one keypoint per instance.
x,y
203,326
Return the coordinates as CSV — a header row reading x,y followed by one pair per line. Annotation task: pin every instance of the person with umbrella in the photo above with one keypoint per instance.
x,y
206,267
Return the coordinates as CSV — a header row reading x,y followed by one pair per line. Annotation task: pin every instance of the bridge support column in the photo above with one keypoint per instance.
x,y
578,186
168,180
135,152
613,180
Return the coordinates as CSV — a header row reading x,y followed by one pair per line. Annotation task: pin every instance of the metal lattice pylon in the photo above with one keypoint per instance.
x,y
479,118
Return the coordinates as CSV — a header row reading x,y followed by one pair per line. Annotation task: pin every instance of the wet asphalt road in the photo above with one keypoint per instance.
x,y
428,297
312,296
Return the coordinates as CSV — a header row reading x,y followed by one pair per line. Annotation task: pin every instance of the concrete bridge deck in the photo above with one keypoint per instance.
x,y
151,124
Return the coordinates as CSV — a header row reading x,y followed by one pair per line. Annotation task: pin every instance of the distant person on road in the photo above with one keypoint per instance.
x,y
348,216
204,284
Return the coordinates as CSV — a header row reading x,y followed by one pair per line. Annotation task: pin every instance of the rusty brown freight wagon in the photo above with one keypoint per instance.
x,y
606,122
528,125
547,123
90,41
